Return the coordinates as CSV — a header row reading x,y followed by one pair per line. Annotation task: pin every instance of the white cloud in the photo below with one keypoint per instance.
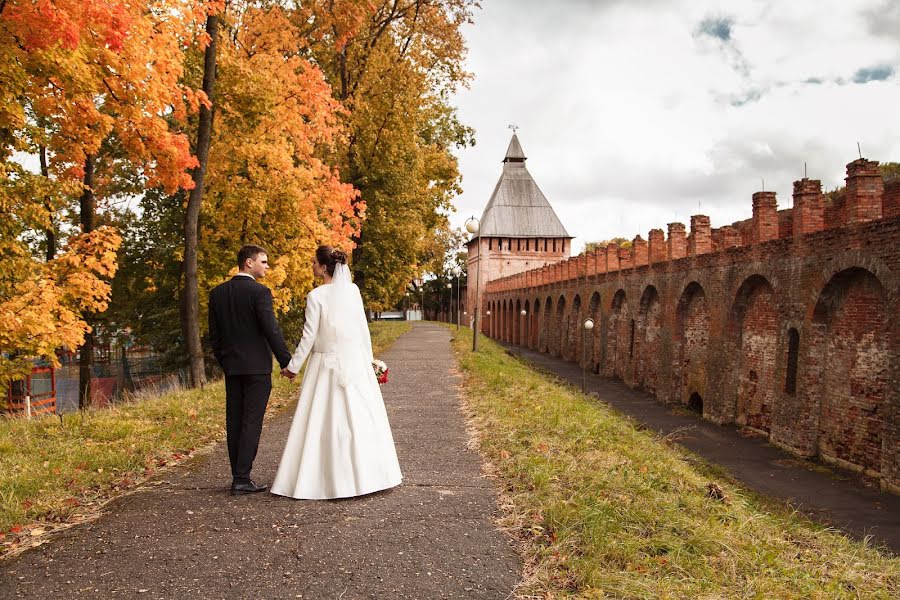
x,y
630,118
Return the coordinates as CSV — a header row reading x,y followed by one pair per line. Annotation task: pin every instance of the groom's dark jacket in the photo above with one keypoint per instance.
x,y
243,331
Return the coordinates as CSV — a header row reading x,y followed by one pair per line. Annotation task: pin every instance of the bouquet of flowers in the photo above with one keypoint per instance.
x,y
381,371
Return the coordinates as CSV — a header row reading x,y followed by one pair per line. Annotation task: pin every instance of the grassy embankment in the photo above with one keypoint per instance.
x,y
604,509
52,470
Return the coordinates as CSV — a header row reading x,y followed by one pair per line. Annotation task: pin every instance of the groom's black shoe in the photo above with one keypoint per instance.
x,y
246,487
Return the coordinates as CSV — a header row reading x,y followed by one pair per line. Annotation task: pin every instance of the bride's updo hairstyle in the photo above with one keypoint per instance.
x,y
330,257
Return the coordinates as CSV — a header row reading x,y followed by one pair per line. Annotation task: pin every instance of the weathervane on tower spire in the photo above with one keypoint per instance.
x,y
514,127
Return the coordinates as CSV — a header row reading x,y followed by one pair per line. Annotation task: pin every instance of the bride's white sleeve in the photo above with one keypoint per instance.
x,y
310,329
364,334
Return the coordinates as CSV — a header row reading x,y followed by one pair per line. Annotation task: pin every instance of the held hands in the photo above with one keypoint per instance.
x,y
290,375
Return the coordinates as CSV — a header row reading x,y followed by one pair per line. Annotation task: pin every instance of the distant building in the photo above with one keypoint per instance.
x,y
519,229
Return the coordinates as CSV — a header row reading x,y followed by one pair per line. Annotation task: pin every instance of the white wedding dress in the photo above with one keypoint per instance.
x,y
340,442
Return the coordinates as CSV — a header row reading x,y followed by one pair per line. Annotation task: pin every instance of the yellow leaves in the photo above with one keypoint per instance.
x,y
43,312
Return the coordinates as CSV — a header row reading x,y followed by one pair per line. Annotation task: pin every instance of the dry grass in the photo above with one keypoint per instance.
x,y
603,509
57,470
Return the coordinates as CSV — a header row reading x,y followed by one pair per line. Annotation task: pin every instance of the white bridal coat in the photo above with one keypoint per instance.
x,y
340,442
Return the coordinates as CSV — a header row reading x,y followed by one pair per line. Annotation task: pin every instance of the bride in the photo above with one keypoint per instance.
x,y
340,442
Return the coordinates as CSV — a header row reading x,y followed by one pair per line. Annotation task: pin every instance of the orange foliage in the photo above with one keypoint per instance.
x,y
91,68
76,74
268,181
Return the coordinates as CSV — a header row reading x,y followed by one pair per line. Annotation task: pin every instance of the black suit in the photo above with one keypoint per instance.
x,y
243,333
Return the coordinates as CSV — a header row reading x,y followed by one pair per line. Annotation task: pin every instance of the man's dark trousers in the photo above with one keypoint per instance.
x,y
246,397
244,334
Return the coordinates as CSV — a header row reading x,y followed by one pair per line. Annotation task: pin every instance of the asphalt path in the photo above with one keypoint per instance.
x,y
185,536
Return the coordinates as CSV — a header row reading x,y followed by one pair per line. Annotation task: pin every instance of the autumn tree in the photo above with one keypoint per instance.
x,y
269,181
601,245
393,65
191,300
93,82
889,171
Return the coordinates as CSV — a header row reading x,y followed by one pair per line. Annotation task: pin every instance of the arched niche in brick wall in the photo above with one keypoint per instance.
x,y
510,318
855,259
525,338
534,318
494,322
618,330
691,344
490,320
574,335
518,332
849,345
515,320
647,341
594,349
557,331
546,325
752,328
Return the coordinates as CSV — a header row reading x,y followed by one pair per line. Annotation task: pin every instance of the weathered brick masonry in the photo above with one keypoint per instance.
x,y
786,322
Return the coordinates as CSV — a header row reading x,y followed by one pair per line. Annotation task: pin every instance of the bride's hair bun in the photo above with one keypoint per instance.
x,y
338,256
330,258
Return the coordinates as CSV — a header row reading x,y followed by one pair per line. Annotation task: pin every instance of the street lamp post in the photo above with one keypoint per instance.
x,y
450,303
458,292
473,226
587,326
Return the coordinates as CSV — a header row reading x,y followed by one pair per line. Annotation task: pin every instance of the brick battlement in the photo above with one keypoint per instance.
x,y
787,323
865,198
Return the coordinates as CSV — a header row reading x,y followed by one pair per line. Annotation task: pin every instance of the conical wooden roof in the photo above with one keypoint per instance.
x,y
518,208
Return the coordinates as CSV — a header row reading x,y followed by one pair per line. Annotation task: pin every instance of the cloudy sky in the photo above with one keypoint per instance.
x,y
634,113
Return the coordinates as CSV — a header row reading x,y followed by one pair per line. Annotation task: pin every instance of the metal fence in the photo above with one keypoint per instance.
x,y
131,371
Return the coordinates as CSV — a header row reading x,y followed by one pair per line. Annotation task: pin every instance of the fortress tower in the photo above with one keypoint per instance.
x,y
519,229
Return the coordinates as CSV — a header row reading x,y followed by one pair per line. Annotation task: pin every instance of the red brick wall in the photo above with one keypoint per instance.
x,y
648,339
617,337
718,324
856,371
756,315
692,345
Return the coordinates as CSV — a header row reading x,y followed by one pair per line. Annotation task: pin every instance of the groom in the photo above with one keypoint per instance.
x,y
243,333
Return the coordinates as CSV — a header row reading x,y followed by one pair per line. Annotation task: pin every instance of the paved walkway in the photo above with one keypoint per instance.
x,y
432,537
852,503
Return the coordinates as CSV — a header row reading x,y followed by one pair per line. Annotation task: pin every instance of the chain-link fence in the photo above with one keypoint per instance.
x,y
131,371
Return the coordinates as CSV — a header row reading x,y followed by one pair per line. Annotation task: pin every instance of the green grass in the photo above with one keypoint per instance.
x,y
52,469
603,509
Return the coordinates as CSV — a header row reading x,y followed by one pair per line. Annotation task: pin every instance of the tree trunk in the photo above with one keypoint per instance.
x,y
192,214
86,354
50,232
